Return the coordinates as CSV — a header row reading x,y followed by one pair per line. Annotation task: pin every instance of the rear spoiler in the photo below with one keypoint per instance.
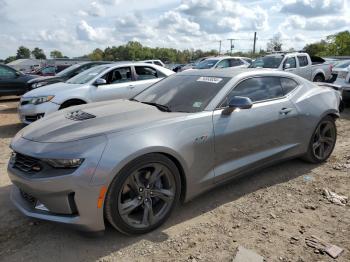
x,y
333,86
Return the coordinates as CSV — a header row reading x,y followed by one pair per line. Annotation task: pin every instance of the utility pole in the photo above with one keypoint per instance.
x,y
231,45
220,47
254,43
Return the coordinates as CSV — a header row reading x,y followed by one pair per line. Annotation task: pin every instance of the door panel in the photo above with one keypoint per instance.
x,y
10,83
138,86
109,92
119,85
248,138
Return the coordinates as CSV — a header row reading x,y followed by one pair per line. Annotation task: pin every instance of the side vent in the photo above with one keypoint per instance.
x,y
79,115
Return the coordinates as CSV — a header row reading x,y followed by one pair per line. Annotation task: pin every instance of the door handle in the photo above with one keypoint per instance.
x,y
131,86
285,111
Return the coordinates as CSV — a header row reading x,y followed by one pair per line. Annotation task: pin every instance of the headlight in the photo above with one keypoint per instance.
x,y
40,99
64,163
36,85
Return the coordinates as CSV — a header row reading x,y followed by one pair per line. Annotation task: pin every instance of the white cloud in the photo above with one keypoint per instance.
x,y
87,32
309,8
224,15
316,23
178,23
96,9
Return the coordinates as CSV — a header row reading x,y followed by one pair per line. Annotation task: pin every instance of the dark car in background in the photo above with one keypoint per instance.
x,y
63,75
13,82
51,70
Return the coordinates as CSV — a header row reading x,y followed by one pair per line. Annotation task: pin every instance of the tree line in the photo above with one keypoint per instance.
x,y
37,53
334,45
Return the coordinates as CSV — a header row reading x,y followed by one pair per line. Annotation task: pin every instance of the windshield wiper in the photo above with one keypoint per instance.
x,y
159,106
133,99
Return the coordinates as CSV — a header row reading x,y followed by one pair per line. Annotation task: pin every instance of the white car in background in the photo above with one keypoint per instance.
x,y
100,83
154,62
222,62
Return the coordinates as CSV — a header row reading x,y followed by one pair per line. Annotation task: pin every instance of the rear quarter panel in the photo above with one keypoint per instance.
x,y
313,103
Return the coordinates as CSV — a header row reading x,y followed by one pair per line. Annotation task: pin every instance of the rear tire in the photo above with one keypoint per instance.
x,y
322,142
318,78
144,193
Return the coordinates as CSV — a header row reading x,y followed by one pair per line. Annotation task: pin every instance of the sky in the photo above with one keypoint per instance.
x,y
76,27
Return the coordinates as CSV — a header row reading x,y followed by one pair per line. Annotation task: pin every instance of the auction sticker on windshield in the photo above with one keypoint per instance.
x,y
208,79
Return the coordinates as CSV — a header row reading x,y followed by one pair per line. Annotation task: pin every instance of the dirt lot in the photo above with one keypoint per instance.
x,y
262,212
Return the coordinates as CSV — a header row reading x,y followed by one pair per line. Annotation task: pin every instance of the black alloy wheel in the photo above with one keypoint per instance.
x,y
143,196
323,141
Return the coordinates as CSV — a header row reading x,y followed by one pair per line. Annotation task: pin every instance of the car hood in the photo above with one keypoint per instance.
x,y
111,116
43,79
50,89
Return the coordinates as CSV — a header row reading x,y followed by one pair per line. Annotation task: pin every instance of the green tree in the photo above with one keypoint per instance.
x,y
10,59
38,53
317,48
56,54
275,44
96,55
23,52
339,44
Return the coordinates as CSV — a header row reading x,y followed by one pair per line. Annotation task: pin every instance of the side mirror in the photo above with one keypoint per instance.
x,y
286,66
100,81
17,74
238,102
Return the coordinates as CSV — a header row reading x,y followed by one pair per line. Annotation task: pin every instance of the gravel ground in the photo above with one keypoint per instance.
x,y
270,212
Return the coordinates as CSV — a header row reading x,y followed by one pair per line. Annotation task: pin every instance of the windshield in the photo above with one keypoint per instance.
x,y
87,75
343,64
267,62
206,64
183,93
68,70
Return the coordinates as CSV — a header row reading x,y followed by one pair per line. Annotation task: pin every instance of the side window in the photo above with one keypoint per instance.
x,y
288,85
49,70
291,61
258,89
118,75
7,72
236,62
302,61
223,64
158,63
145,73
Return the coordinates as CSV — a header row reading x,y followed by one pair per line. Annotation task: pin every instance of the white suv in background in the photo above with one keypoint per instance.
x,y
104,82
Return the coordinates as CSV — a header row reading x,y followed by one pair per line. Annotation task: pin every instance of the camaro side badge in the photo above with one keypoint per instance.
x,y
201,139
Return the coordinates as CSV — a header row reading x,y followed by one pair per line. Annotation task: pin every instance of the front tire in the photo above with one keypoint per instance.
x,y
142,196
322,142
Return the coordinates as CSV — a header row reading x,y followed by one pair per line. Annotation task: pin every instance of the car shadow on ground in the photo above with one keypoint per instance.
x,y
10,130
9,99
112,241
11,110
346,114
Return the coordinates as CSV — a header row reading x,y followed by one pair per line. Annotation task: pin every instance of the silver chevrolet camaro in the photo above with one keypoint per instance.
x,y
130,161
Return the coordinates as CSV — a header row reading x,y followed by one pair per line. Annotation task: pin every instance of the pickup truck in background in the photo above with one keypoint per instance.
x,y
311,68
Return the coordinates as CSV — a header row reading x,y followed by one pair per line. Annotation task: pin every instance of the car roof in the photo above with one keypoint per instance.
x,y
127,63
233,72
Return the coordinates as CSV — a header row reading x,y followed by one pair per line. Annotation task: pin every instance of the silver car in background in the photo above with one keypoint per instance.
x,y
100,83
130,161
222,62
